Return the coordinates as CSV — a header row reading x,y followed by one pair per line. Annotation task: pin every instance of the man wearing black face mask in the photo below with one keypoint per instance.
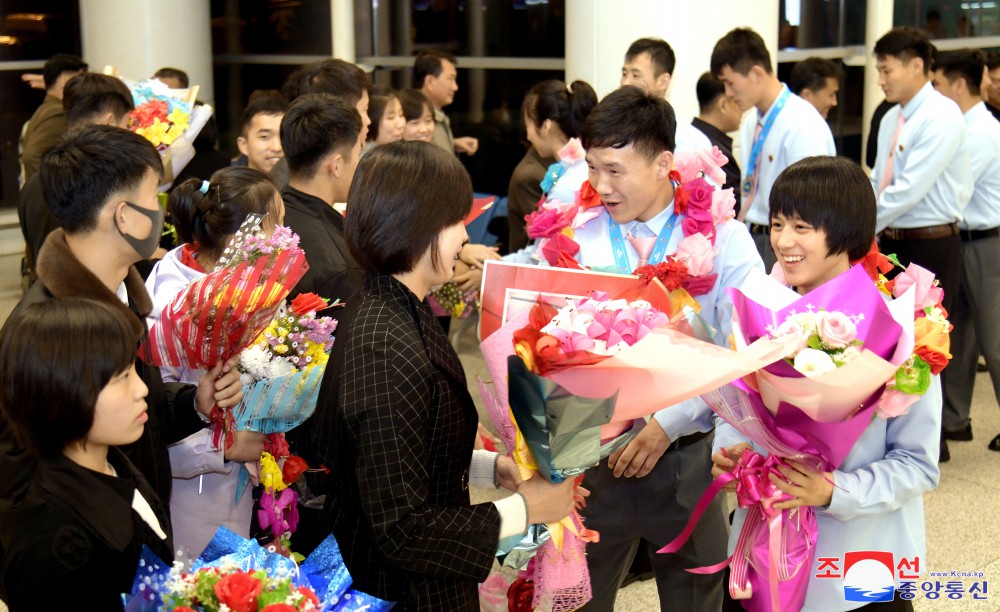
x,y
101,184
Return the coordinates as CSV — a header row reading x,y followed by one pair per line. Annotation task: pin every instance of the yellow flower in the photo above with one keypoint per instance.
x,y
458,310
179,118
155,133
172,134
270,473
880,283
281,349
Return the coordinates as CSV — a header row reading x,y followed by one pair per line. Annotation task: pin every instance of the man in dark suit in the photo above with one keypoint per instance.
x,y
49,123
719,115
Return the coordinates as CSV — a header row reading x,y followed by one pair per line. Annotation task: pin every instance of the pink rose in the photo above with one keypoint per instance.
x,y
836,329
894,403
550,219
572,152
690,226
699,196
692,164
697,253
793,332
927,293
723,205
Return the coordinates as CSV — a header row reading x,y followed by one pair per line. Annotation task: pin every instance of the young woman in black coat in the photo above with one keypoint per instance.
x,y
71,393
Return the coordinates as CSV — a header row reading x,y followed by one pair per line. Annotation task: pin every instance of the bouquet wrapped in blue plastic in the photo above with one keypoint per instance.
x,y
245,577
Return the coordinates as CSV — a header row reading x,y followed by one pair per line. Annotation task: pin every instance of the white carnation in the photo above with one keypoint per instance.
x,y
279,367
255,361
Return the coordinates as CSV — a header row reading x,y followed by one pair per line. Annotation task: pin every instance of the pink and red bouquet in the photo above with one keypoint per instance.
x,y
812,406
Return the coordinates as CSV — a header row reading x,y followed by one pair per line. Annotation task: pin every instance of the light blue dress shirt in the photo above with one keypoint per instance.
x,y
983,210
799,131
931,178
736,258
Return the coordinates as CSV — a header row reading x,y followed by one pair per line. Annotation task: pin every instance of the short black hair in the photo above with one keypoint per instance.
x,y
403,196
905,43
567,108
89,95
993,60
59,64
430,63
173,73
377,102
708,90
89,165
316,125
330,76
741,49
56,357
211,218
630,116
965,64
262,102
832,194
812,73
660,54
414,102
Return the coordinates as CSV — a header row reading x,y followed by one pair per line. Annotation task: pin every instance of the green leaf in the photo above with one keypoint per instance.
x,y
894,260
814,342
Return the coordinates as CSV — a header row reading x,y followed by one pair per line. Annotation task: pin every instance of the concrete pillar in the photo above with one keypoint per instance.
x,y
598,32
342,29
140,36
878,21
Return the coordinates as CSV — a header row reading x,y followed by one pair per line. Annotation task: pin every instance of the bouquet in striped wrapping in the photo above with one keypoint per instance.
x,y
222,313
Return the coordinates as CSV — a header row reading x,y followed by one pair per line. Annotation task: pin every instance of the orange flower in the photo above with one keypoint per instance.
x,y
933,335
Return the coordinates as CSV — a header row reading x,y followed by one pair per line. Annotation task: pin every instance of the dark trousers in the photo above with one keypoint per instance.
x,y
942,256
642,515
976,330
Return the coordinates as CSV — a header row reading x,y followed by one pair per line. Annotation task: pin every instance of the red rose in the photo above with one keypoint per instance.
x,y
279,607
309,596
565,260
558,245
519,595
239,591
587,197
183,609
304,303
293,468
276,444
936,360
700,285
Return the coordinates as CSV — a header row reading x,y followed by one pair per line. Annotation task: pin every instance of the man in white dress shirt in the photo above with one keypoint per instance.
x,y
782,129
649,64
957,76
643,495
922,175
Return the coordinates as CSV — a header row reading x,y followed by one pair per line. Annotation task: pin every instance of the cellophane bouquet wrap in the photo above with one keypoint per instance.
x,y
169,119
856,355
577,376
237,574
222,313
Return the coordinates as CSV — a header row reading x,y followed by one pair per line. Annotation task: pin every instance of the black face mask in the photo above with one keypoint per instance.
x,y
145,247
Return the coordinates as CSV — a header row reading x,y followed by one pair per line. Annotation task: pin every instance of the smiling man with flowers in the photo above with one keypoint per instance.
x,y
660,216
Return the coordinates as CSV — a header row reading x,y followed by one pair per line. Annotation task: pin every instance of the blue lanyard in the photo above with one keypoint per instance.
x,y
758,142
655,257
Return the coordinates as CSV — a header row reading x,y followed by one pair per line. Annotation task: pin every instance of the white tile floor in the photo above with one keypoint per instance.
x,y
963,530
